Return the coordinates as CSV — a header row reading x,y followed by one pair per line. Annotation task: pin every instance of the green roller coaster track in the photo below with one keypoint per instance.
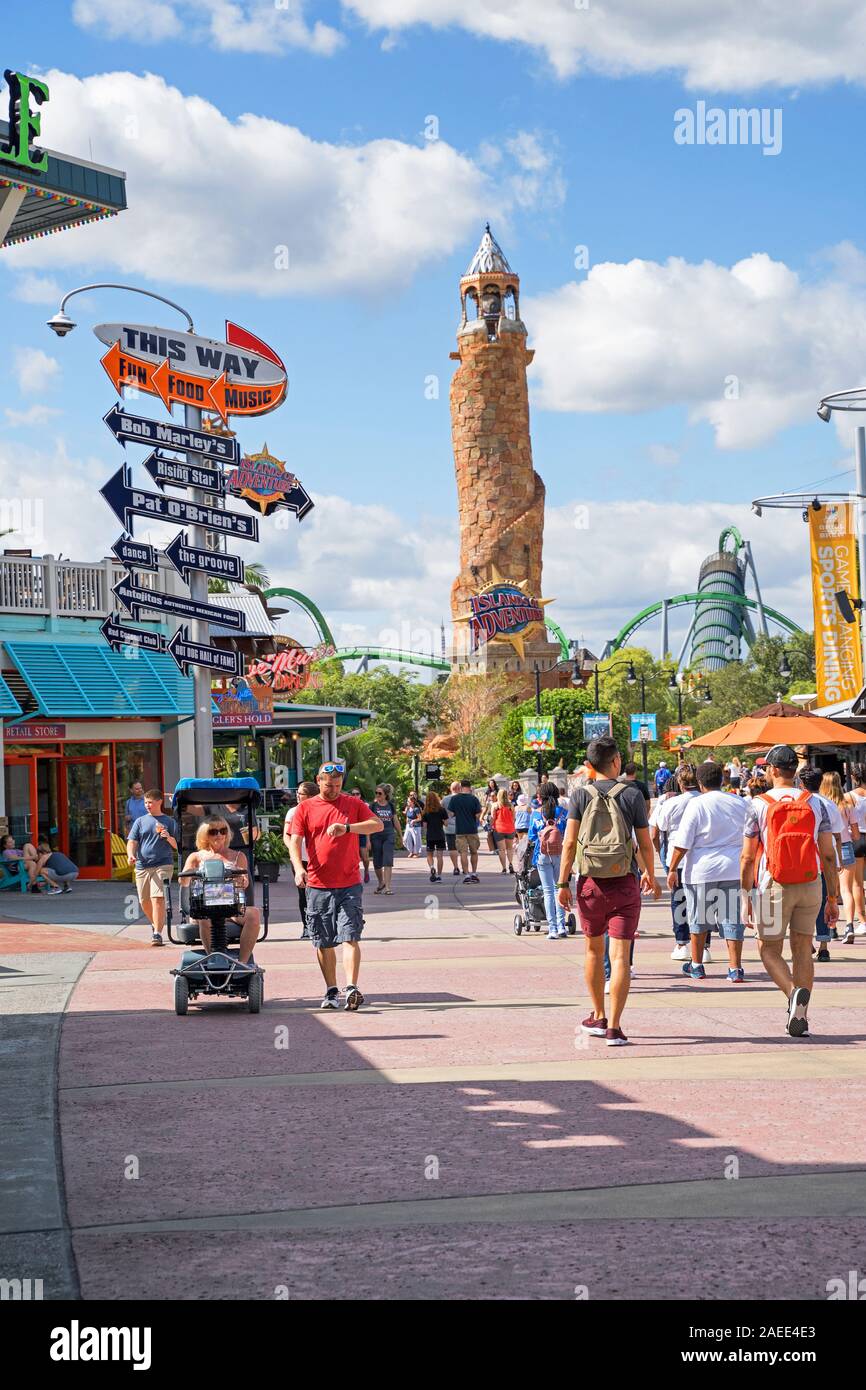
x,y
438,663
679,599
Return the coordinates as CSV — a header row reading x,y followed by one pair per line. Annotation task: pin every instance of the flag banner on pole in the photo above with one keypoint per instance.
x,y
838,650
538,733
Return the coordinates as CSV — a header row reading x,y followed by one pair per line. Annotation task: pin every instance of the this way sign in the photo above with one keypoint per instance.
x,y
186,653
140,429
134,598
176,473
117,634
127,501
137,555
186,558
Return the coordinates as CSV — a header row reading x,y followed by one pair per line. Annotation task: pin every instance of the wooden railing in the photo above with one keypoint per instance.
x,y
53,588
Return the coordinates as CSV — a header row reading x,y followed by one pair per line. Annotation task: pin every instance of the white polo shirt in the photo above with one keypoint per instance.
x,y
711,833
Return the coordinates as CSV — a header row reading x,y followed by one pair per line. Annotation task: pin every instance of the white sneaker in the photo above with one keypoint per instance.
x,y
681,953
860,929
708,960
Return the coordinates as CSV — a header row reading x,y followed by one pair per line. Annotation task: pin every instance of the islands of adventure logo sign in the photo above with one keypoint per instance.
x,y
504,612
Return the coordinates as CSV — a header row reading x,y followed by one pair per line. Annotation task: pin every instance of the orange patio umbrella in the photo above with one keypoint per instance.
x,y
778,723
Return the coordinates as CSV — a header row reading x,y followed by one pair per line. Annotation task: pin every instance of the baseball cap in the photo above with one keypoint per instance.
x,y
782,756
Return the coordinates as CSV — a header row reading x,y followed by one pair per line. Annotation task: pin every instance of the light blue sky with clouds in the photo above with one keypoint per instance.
x,y
245,127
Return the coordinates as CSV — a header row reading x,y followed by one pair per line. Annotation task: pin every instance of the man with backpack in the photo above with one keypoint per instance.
x,y
662,777
605,817
793,829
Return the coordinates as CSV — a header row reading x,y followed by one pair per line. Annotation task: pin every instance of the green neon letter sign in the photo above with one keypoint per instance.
x,y
24,124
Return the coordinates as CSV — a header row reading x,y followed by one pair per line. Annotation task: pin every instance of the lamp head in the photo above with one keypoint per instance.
x,y
61,324
824,412
630,677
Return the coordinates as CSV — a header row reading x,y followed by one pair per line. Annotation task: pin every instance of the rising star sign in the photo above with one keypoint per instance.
x,y
504,611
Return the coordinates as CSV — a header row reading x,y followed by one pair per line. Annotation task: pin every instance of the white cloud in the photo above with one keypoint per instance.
x,y
242,26
667,543
37,289
355,218
730,44
750,349
35,415
34,370
664,455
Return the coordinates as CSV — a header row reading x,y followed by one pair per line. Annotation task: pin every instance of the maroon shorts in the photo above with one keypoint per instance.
x,y
609,905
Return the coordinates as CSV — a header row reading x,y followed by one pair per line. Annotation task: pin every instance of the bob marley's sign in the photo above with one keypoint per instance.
x,y
504,612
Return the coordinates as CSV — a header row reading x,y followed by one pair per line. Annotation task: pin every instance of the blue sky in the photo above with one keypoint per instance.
x,y
631,359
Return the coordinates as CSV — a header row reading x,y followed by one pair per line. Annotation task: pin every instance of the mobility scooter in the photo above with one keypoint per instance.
x,y
214,894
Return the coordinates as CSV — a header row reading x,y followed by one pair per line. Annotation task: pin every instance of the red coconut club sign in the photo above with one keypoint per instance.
x,y
504,612
242,376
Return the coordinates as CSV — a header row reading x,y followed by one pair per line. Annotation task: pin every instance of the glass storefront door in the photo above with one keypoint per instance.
x,y
87,815
20,779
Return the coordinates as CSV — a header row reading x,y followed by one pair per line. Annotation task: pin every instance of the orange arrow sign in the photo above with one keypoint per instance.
x,y
221,395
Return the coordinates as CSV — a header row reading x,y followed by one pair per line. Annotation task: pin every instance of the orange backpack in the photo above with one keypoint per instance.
x,y
789,839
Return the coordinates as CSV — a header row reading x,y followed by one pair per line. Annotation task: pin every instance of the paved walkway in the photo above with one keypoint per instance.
x,y
459,1136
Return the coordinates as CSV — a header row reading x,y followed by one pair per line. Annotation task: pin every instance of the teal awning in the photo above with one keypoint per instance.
x,y
70,679
8,703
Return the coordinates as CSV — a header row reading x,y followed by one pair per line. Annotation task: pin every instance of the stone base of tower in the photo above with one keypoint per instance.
x,y
500,658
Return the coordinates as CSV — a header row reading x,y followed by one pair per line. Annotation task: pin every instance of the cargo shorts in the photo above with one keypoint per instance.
x,y
335,915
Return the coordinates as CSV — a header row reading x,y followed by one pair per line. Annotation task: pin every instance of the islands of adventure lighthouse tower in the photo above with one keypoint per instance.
x,y
500,497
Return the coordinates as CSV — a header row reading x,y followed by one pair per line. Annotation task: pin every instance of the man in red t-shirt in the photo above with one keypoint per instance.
x,y
330,824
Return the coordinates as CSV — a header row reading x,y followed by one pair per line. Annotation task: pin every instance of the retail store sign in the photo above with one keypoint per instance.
x,y
34,733
24,123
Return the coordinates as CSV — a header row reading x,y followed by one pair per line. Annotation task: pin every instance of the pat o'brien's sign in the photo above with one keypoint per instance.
x,y
24,122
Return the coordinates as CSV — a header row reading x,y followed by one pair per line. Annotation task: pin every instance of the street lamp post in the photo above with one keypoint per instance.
x,y
576,679
855,401
61,324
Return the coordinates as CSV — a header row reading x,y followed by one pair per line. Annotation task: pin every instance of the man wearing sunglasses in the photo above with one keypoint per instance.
x,y
329,825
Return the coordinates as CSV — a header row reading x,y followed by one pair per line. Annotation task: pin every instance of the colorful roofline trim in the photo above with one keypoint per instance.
x,y
94,212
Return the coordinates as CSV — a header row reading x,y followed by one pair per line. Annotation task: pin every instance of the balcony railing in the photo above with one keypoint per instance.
x,y
53,588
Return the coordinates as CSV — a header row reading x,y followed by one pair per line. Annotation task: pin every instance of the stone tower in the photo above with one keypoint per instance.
x,y
500,497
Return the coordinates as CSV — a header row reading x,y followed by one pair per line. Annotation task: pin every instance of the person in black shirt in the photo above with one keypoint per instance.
x,y
433,818
466,808
629,774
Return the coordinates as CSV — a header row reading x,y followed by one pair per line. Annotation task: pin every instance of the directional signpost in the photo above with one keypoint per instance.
x,y
186,653
118,634
140,429
135,555
127,501
241,376
134,599
186,558
175,473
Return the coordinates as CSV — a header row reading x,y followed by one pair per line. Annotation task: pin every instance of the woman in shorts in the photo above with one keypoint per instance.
x,y
433,818
503,831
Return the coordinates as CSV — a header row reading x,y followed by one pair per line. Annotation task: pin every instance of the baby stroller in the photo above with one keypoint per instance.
x,y
529,895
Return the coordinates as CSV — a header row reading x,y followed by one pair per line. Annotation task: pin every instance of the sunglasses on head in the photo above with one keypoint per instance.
x,y
332,768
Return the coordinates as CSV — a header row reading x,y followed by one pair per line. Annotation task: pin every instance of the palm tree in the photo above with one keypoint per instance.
x,y
255,575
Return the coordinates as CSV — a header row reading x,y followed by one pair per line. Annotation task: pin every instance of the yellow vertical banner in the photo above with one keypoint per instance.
x,y
838,651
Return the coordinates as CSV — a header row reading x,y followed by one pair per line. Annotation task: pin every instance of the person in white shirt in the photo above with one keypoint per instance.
x,y
788,902
831,790
710,838
857,798
810,780
664,823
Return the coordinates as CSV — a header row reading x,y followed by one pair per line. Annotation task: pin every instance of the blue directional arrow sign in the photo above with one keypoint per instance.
x,y
187,557
135,598
135,554
127,501
117,634
186,653
175,473
140,429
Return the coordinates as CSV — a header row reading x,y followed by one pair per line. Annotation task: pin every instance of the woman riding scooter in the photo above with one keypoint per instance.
x,y
212,838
